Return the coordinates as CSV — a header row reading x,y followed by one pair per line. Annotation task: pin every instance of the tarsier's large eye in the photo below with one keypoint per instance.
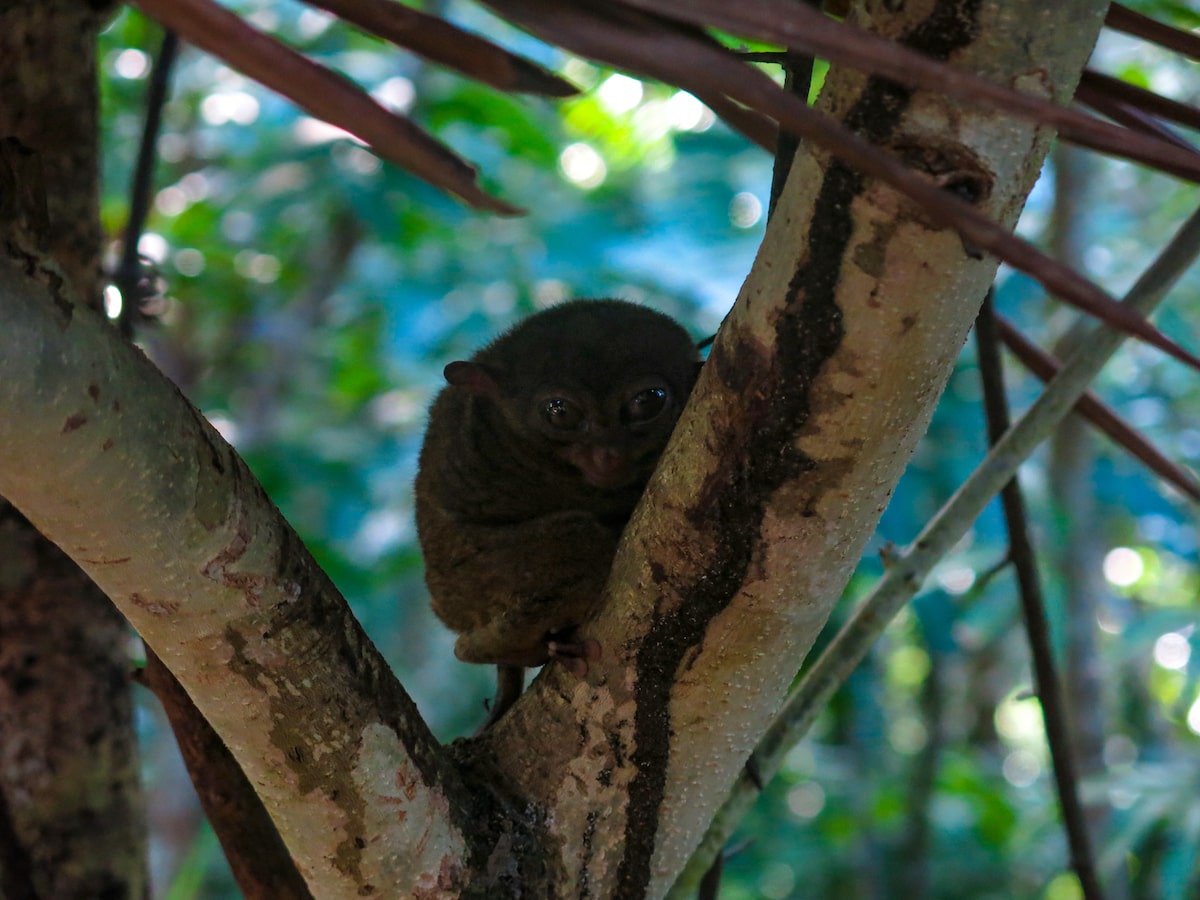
x,y
562,414
646,405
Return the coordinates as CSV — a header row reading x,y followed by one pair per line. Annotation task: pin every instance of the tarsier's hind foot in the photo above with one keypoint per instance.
x,y
573,655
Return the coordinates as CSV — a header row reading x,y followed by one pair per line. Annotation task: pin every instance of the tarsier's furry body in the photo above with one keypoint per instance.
x,y
535,456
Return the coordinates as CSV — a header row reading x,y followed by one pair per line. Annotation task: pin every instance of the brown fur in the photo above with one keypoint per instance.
x,y
518,516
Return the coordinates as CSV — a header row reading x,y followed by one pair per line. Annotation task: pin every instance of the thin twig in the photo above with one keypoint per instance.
x,y
128,275
911,875
1122,18
1126,115
444,43
322,92
907,570
254,849
797,80
1157,105
1100,414
710,884
1033,607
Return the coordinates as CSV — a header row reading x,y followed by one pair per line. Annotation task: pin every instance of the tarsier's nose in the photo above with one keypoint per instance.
x,y
605,467
606,459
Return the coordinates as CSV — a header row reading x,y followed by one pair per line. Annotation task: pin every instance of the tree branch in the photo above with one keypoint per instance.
x,y
129,276
907,570
1101,415
1140,98
1122,18
107,459
442,42
797,80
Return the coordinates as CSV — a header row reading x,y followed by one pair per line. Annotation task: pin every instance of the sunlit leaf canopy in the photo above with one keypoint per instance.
x,y
314,292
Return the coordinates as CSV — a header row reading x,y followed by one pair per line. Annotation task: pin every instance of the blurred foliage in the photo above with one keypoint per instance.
x,y
314,295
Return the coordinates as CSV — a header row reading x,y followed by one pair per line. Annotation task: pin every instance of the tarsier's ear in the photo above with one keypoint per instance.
x,y
472,376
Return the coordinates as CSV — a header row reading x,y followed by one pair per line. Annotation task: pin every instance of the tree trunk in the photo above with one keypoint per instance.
x,y
70,813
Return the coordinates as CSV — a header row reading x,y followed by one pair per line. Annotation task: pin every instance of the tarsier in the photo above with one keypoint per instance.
x,y
534,458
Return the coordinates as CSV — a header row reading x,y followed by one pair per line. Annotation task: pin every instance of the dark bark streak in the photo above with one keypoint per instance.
x,y
732,501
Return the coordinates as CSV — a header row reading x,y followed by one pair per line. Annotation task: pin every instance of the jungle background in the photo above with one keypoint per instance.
x,y
335,288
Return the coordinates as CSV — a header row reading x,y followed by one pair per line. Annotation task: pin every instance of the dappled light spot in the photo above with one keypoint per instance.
x,y
153,246
189,261
956,579
1193,717
745,210
1021,768
1172,650
806,800
1123,566
620,93
686,113
113,302
398,94
225,107
131,64
583,166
